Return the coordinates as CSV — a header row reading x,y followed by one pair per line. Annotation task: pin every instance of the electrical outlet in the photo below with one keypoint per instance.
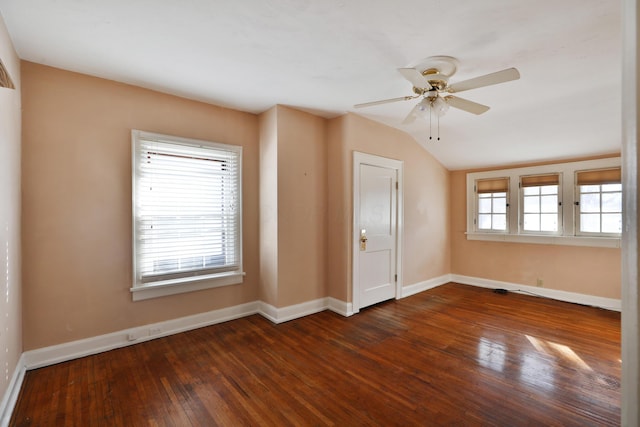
x,y
155,331
540,282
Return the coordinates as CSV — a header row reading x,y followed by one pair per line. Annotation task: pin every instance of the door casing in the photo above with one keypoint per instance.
x,y
374,160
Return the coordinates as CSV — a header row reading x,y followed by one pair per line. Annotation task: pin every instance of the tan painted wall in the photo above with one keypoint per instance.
x,y
293,193
77,202
10,256
426,248
338,211
584,270
302,200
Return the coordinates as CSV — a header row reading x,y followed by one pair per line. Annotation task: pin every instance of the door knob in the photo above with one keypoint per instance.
x,y
363,240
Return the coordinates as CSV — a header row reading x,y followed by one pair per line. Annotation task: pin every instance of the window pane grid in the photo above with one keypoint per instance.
x,y
492,211
600,209
540,208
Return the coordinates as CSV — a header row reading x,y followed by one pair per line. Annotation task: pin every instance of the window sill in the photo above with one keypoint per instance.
x,y
599,242
179,286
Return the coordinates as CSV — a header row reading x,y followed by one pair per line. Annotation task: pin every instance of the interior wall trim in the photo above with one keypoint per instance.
x,y
425,285
291,312
341,307
573,297
13,390
75,349
33,359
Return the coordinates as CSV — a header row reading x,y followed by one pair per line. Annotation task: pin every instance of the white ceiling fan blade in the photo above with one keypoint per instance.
x,y
466,105
414,76
486,80
385,101
411,117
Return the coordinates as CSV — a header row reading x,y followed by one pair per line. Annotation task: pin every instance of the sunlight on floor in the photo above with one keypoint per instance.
x,y
554,349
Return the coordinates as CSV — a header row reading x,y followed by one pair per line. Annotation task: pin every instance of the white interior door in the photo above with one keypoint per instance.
x,y
376,230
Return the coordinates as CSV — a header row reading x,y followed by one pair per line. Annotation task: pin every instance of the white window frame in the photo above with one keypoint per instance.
x,y
568,235
578,212
477,198
521,209
153,289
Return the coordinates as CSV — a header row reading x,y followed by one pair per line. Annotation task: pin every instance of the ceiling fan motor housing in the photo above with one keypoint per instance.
x,y
436,80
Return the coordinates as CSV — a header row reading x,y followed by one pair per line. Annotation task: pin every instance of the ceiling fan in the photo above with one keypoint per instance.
x,y
430,80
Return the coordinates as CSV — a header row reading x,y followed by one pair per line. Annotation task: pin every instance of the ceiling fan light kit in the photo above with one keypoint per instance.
x,y
430,80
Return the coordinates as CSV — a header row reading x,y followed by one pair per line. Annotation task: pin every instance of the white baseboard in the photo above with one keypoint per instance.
x,y
425,285
11,394
80,348
45,356
338,306
600,302
284,314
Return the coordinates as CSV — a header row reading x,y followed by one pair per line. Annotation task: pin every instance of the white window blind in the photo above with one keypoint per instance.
x,y
186,209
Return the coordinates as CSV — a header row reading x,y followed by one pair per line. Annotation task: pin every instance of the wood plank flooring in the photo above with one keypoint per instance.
x,y
452,356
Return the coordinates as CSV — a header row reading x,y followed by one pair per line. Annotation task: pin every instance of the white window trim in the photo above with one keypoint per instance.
x,y
568,235
520,208
476,202
185,284
577,220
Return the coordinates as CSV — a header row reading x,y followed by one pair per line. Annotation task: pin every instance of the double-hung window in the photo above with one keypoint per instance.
x,y
540,203
491,204
599,202
186,214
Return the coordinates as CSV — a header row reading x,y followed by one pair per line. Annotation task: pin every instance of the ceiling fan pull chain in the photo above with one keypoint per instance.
x,y
438,128
430,122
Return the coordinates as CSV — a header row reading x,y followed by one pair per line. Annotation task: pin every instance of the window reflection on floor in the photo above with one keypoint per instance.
x,y
537,371
563,351
537,367
491,354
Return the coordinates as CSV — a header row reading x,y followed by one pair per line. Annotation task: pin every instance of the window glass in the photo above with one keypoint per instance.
x,y
600,208
540,204
492,209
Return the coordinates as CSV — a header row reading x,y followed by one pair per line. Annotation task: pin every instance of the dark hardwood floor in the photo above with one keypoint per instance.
x,y
454,355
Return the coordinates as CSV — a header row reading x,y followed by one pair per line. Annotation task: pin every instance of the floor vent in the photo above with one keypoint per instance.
x,y
5,79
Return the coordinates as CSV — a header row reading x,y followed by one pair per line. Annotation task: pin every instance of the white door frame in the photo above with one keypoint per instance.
x,y
373,160
631,234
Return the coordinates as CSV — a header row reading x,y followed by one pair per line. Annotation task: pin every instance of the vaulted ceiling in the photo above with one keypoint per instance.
x,y
324,56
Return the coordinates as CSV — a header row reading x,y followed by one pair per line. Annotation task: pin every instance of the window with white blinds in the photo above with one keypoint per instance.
x,y
186,209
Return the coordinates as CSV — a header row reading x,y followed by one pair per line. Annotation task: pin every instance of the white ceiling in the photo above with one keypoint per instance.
x,y
324,56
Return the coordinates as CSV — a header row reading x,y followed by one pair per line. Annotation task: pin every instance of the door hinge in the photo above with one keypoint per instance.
x,y
396,185
395,278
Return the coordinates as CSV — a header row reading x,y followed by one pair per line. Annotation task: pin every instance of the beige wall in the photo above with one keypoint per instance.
x,y
293,193
77,202
426,251
302,200
10,256
584,270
